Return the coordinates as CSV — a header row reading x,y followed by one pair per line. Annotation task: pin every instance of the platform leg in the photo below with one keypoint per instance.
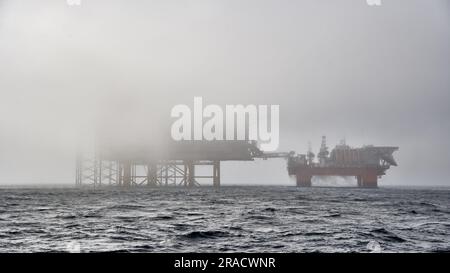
x,y
359,180
191,174
370,180
304,180
151,175
216,174
126,174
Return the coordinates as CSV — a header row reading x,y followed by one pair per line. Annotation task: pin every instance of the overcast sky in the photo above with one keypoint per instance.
x,y
372,75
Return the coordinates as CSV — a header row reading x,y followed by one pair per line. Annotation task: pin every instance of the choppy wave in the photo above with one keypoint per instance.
x,y
250,219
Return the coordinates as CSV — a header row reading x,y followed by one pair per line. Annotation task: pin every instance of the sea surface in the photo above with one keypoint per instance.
x,y
229,219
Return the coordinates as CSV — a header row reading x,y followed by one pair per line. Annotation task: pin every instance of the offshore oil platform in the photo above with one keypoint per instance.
x,y
367,163
175,165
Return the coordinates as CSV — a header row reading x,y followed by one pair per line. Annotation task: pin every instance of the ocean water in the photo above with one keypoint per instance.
x,y
229,219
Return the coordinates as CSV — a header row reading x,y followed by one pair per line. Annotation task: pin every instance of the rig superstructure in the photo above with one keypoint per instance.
x,y
367,163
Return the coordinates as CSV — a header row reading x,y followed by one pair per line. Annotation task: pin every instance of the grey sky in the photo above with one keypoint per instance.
x,y
374,75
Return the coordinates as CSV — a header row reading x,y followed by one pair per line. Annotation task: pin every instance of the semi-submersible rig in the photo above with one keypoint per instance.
x,y
367,163
175,163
